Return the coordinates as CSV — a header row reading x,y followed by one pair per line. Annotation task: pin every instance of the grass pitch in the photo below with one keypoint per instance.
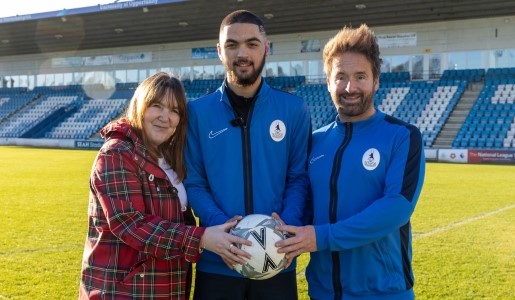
x,y
463,228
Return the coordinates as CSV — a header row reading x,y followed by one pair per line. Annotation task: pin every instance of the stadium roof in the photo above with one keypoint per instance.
x,y
143,22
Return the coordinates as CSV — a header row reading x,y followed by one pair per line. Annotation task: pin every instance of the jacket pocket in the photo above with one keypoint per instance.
x,y
138,268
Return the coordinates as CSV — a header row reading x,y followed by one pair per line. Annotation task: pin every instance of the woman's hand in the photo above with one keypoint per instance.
x,y
217,239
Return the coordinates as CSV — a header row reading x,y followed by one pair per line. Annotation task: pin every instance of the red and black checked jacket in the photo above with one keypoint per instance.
x,y
138,245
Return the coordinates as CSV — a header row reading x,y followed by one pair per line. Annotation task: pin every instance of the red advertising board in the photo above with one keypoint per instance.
x,y
491,156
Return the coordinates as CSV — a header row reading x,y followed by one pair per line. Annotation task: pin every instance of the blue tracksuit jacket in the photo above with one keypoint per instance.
x,y
366,178
240,170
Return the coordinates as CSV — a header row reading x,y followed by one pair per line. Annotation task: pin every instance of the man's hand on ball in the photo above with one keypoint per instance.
x,y
302,240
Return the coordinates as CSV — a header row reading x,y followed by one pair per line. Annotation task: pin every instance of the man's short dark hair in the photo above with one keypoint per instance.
x,y
245,17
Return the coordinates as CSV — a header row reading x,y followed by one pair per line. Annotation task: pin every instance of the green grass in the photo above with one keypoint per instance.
x,y
467,213
43,220
463,247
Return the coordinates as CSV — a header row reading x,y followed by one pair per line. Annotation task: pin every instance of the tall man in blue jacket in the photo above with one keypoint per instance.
x,y
366,170
247,148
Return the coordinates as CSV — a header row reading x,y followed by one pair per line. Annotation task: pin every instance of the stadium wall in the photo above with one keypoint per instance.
x,y
433,38
432,155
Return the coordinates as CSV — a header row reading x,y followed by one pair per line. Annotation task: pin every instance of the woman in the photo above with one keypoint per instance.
x,y
142,236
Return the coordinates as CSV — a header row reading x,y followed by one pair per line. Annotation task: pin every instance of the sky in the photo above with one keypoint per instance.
x,y
25,7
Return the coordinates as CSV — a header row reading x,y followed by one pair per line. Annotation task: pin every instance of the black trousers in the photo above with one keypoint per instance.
x,y
209,286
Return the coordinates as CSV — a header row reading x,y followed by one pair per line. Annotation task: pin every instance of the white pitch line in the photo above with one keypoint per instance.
x,y
302,272
466,221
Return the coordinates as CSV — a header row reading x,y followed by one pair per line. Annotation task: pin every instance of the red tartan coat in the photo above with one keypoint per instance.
x,y
139,244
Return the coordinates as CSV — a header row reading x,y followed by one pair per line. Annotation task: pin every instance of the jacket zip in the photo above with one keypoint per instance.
x,y
247,167
247,163
333,205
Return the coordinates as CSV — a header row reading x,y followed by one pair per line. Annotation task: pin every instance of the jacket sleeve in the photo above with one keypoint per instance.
x,y
118,188
196,183
297,181
403,184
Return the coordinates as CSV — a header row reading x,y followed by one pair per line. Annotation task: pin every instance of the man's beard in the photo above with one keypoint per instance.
x,y
356,110
250,78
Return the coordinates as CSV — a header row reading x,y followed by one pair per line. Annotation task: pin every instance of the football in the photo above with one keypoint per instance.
x,y
265,261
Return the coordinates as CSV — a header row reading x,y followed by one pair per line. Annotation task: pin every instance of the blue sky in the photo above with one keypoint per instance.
x,y
25,7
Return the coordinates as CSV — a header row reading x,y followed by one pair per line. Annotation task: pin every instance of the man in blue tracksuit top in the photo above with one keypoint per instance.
x,y
366,171
247,149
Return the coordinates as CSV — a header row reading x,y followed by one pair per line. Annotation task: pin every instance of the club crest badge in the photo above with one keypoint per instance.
x,y
277,130
371,159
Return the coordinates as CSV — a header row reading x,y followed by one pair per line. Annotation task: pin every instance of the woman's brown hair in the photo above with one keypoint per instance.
x,y
154,89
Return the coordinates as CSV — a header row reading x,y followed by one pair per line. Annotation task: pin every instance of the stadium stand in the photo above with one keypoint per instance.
x,y
319,103
64,112
25,123
12,101
471,75
69,113
200,87
89,119
424,104
287,83
491,121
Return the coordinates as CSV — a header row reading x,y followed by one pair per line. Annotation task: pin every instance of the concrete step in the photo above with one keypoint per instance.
x,y
458,116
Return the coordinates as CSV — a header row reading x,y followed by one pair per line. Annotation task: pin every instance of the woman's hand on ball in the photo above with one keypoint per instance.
x,y
217,239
